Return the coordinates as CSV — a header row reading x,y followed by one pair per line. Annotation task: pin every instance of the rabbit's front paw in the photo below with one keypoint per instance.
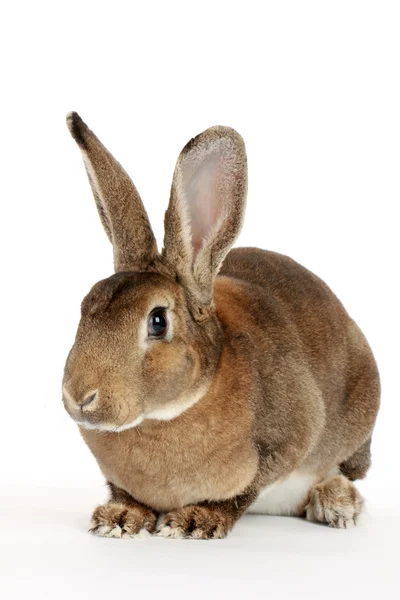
x,y
336,502
121,521
195,522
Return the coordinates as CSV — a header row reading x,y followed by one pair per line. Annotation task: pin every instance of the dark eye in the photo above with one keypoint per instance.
x,y
157,324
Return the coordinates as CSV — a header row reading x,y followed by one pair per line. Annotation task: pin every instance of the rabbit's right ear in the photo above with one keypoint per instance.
x,y
205,211
120,208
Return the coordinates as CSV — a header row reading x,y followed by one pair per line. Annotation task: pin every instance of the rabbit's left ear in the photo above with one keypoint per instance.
x,y
206,210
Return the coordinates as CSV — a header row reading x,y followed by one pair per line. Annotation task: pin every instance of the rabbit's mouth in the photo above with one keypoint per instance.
x,y
91,414
109,427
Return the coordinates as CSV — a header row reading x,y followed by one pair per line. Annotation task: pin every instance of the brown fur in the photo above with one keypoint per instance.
x,y
206,520
262,372
120,208
205,453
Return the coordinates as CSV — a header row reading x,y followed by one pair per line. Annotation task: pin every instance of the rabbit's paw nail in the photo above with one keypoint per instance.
x,y
336,502
105,530
195,522
120,521
170,532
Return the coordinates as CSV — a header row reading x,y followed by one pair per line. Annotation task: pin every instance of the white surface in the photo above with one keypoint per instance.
x,y
313,87
46,553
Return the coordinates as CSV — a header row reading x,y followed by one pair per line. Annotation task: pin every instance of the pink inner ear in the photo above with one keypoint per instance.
x,y
204,179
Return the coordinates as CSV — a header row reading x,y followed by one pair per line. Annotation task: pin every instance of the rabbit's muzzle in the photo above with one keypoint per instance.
x,y
79,405
101,409
79,402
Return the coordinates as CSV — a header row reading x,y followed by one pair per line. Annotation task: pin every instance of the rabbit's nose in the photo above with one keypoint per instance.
x,y
79,400
89,399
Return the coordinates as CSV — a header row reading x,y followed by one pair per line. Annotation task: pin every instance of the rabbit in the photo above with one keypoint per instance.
x,y
210,382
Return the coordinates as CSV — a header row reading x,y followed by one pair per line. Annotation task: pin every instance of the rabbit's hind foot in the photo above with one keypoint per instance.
x,y
336,502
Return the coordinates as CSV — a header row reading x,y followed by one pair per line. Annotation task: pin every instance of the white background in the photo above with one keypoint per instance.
x,y
313,87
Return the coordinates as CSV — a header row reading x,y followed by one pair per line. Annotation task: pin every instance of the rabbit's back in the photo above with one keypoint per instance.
x,y
283,279
293,318
292,306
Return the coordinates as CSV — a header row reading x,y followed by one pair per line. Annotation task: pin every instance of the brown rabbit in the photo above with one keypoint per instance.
x,y
208,384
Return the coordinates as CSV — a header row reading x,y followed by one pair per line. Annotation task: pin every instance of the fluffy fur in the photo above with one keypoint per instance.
x,y
262,385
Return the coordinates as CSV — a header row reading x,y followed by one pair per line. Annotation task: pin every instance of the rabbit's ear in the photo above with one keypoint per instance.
x,y
120,208
206,209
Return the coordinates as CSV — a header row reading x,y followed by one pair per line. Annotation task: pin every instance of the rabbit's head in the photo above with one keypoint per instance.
x,y
148,342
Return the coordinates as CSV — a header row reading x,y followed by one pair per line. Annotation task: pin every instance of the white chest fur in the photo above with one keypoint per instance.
x,y
284,497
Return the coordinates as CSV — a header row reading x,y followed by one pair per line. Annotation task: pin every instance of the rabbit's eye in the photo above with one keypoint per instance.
x,y
157,324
